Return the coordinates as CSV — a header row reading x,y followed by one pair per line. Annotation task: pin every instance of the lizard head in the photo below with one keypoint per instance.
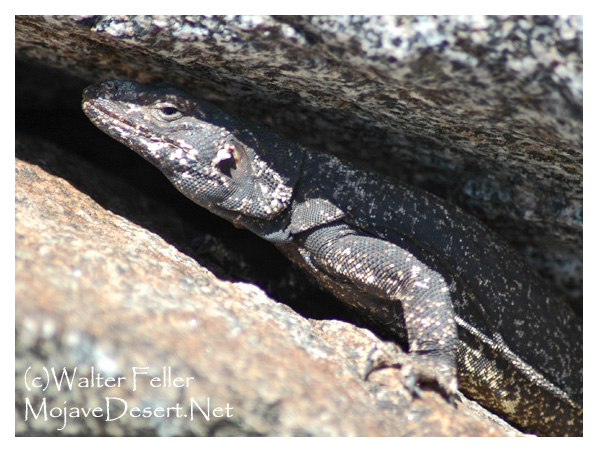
x,y
219,161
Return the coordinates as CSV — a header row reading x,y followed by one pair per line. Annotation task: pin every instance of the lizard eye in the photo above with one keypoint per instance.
x,y
167,112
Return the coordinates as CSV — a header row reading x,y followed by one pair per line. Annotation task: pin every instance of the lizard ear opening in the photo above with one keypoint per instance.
x,y
253,187
232,161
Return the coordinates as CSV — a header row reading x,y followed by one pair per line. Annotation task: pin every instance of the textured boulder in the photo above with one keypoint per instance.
x,y
141,328
485,112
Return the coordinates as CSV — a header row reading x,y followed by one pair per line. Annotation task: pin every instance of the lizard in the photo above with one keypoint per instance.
x,y
472,314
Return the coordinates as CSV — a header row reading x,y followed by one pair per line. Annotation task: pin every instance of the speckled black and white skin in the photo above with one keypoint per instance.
x,y
469,309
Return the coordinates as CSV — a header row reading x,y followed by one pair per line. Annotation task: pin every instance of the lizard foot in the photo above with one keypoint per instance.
x,y
432,367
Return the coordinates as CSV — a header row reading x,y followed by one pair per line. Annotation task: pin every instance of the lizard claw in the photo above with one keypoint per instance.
x,y
389,355
416,368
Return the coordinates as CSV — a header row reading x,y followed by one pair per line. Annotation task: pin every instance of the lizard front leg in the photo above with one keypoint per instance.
x,y
387,271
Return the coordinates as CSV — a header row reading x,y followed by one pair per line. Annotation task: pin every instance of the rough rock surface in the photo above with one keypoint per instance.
x,y
100,296
486,112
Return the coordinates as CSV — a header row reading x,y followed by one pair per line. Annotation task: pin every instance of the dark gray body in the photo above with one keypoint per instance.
x,y
435,277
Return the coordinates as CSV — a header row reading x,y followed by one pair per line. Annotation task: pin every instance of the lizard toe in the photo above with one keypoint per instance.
x,y
416,368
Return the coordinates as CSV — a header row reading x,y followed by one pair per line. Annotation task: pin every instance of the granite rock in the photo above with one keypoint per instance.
x,y
149,337
484,111
114,269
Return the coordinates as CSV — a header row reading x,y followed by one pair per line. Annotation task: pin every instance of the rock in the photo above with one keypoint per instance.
x,y
483,111
114,269
140,327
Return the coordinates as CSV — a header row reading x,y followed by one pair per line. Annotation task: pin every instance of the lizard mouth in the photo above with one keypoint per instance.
x,y
101,115
105,115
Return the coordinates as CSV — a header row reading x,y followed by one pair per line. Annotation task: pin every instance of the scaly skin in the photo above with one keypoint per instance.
x,y
465,303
